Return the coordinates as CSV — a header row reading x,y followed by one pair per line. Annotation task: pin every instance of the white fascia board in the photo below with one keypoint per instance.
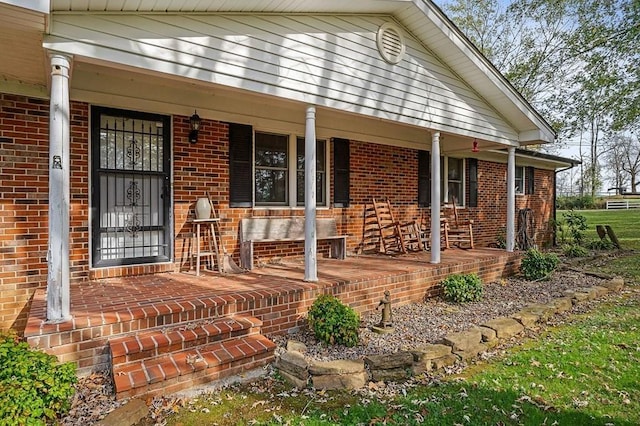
x,y
477,60
41,6
522,159
535,137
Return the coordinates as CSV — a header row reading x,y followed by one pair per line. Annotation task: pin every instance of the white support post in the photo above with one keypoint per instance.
x,y
511,200
310,237
58,297
435,198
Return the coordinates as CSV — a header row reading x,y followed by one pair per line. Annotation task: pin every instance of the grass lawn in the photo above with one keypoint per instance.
x,y
584,372
626,225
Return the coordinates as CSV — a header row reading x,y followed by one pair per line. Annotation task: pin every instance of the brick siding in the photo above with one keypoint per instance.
x,y
376,171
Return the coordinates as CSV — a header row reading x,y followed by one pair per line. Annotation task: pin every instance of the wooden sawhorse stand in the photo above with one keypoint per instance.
x,y
210,241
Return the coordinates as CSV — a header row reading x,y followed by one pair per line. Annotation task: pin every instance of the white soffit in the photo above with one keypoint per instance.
x,y
421,17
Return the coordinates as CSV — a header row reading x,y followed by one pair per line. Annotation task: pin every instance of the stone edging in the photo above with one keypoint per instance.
x,y
453,348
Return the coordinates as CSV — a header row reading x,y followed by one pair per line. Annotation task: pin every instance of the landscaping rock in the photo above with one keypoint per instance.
x,y
505,327
577,296
463,340
340,381
562,304
126,415
444,361
601,291
320,368
526,318
294,345
389,361
293,380
430,352
471,352
340,374
294,364
488,334
391,375
544,312
615,284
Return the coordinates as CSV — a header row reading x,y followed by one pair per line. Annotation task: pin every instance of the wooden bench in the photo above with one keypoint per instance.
x,y
275,229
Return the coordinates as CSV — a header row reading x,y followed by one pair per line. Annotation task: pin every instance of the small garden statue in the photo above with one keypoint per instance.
x,y
386,323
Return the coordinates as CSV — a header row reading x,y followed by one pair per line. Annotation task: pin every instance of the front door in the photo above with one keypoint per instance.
x,y
130,195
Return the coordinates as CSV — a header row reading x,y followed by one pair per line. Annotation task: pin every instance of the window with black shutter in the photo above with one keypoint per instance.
x,y
424,179
473,182
529,181
240,167
340,172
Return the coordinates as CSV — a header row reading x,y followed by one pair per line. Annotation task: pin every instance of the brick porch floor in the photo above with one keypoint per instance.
x,y
276,295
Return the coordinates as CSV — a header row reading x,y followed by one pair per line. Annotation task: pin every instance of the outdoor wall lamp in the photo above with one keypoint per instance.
x,y
194,122
475,146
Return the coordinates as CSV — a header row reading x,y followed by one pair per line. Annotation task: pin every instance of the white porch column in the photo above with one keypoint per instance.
x,y
58,303
435,197
511,199
310,237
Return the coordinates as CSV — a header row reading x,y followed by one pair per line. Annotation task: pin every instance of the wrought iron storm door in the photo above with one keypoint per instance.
x,y
130,187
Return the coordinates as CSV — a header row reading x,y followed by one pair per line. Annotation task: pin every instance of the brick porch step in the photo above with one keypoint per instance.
x,y
152,343
168,359
183,369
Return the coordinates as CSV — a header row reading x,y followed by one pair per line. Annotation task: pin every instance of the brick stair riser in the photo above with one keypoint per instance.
x,y
213,360
169,345
202,377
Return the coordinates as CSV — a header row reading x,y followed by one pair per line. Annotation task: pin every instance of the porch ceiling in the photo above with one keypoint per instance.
x,y
22,64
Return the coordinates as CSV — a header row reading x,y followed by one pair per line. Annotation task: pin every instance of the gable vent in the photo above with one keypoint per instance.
x,y
390,43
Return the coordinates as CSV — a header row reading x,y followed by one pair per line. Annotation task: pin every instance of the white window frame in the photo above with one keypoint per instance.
x,y
444,188
292,172
522,189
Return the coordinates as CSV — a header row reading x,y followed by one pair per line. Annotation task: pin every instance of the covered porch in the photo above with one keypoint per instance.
x,y
123,310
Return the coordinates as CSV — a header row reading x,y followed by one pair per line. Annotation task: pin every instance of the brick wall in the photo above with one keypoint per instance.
x,y
376,171
24,190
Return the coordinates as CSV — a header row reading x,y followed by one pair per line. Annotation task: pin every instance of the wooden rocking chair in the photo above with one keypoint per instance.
x,y
395,237
459,232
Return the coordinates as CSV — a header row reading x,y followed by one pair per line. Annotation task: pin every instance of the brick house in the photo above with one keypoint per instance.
x,y
100,170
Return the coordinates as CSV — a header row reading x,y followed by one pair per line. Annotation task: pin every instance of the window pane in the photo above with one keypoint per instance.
x,y
455,169
455,193
519,180
271,186
320,172
271,150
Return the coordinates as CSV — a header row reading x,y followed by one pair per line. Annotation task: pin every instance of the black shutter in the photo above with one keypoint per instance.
x,y
473,182
529,180
424,179
340,172
240,167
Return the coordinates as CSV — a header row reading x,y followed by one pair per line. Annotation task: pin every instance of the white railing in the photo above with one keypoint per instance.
x,y
623,204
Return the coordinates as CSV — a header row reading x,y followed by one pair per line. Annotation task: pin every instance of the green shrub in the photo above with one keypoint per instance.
x,y
462,288
599,245
537,265
33,386
333,322
576,224
574,250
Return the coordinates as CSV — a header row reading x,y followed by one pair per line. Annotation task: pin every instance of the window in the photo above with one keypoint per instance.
x,y
520,180
267,169
321,172
454,180
451,178
271,169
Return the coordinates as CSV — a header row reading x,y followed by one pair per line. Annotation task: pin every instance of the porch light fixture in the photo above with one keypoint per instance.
x,y
475,146
194,122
